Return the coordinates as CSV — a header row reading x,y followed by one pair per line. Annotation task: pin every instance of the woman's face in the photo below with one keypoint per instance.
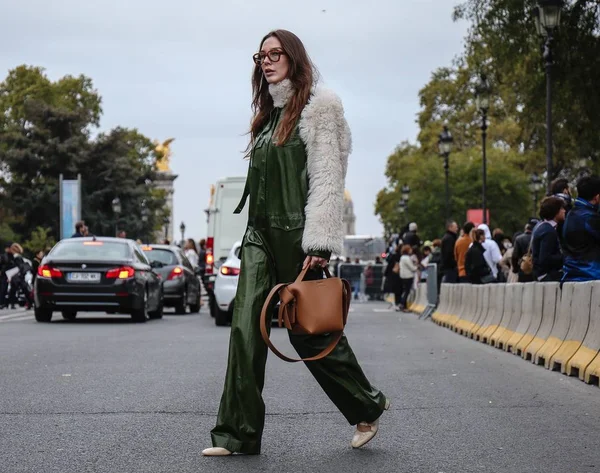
x,y
274,71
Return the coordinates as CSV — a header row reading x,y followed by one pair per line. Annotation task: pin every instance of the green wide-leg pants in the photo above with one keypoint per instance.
x,y
270,256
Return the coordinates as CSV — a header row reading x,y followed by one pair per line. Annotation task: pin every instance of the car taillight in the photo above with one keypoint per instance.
x,y
210,256
125,272
176,272
229,271
48,272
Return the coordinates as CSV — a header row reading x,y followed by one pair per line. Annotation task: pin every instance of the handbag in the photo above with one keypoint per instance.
x,y
396,268
313,307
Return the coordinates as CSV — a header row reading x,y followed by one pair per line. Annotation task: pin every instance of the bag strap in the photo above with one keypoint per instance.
x,y
263,320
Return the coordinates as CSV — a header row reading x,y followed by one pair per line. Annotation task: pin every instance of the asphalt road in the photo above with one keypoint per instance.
x,y
107,395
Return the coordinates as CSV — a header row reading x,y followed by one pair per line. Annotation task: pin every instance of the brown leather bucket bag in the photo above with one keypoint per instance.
x,y
309,307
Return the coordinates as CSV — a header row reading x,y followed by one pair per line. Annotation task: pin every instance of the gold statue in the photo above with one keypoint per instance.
x,y
163,152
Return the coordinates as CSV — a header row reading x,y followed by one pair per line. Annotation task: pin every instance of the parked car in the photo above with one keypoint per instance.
x,y
226,286
181,286
97,274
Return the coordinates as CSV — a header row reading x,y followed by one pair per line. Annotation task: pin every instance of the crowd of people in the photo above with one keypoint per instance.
x,y
561,244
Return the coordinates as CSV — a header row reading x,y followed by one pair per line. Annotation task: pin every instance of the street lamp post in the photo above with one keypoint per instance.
x,y
445,146
182,230
535,186
116,207
145,213
482,93
547,19
405,192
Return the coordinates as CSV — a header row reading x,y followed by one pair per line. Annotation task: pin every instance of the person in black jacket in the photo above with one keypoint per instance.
x,y
449,266
521,248
6,263
79,229
545,246
475,264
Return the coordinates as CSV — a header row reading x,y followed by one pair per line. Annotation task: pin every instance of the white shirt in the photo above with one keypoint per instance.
x,y
407,267
192,257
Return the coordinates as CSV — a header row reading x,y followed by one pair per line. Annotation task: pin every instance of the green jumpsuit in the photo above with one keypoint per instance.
x,y
272,253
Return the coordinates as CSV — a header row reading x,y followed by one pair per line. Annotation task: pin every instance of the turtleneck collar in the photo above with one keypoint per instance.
x,y
281,92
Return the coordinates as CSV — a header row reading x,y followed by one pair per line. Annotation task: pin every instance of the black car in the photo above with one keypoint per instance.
x,y
181,286
97,274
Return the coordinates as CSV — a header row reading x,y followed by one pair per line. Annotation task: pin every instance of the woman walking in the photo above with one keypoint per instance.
x,y
408,269
299,149
190,252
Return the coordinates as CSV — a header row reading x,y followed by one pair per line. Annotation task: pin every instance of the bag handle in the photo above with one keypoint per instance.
x,y
263,320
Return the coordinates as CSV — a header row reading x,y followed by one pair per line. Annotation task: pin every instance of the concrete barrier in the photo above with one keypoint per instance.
x,y
457,305
469,301
560,328
578,365
496,319
550,309
442,307
442,312
535,317
516,310
492,294
480,310
578,327
420,303
506,315
527,305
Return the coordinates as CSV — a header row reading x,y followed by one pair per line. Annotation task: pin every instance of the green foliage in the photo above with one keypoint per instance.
x,y
502,43
45,131
40,239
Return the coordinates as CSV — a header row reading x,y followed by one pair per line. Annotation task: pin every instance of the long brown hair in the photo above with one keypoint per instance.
x,y
301,74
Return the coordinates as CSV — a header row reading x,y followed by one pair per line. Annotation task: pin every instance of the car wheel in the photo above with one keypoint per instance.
x,y
195,308
141,315
181,304
158,313
222,317
69,315
212,305
42,315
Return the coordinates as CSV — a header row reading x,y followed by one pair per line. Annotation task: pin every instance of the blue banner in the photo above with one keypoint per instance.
x,y
70,206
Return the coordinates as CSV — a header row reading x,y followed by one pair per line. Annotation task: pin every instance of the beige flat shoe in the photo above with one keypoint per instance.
x,y
216,452
365,431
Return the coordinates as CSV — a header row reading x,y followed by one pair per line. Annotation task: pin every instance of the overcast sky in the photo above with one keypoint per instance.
x,y
181,68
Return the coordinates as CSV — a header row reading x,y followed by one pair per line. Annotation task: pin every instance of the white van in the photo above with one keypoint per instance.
x,y
224,227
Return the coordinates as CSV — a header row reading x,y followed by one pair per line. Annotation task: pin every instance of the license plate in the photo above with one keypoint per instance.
x,y
84,277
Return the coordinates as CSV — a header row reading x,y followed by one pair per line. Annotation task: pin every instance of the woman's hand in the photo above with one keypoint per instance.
x,y
314,262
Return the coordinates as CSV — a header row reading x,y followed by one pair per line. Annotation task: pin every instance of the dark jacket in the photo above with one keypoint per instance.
x,y
521,248
475,264
77,235
545,249
411,238
448,242
581,243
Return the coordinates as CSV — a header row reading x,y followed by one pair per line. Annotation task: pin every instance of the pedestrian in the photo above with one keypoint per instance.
x,y
6,263
460,251
521,248
545,247
408,269
581,233
411,237
190,252
300,130
560,188
37,261
121,234
506,262
492,252
392,284
79,229
18,280
449,266
202,257
424,262
477,268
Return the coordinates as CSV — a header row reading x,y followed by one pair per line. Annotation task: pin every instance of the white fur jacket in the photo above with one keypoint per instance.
x,y
326,136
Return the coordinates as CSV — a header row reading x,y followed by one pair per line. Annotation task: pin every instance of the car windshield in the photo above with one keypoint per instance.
x,y
166,257
77,249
